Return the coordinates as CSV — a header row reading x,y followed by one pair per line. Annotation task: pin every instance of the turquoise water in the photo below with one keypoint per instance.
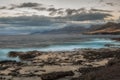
x,y
93,43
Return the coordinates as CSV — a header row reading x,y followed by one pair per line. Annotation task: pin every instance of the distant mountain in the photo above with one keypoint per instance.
x,y
66,30
108,28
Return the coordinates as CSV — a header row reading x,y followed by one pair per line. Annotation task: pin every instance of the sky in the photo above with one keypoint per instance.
x,y
24,16
66,3
112,5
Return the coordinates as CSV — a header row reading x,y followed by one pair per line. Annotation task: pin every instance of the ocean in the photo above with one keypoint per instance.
x,y
95,43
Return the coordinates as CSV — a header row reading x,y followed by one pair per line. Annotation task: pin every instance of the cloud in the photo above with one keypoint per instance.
x,y
27,20
100,10
71,11
28,5
110,4
24,5
88,16
47,21
81,14
60,13
30,24
3,7
40,8
52,9
101,1
48,9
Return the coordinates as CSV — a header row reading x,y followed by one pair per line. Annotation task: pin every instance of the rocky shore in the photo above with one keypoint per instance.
x,y
117,39
80,64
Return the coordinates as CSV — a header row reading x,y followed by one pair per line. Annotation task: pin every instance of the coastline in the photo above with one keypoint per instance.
x,y
24,41
55,65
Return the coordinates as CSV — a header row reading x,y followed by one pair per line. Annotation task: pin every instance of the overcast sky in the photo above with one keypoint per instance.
x,y
70,3
26,16
112,5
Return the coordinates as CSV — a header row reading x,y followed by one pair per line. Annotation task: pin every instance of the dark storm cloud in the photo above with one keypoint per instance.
x,y
52,13
3,7
88,16
40,8
28,5
60,13
110,4
71,11
33,24
28,21
47,21
70,15
36,6
52,9
49,8
68,12
24,5
82,9
100,10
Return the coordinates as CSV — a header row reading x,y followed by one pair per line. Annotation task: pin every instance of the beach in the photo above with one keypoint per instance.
x,y
59,65
51,57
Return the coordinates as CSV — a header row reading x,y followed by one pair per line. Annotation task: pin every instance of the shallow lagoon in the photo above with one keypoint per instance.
x,y
67,46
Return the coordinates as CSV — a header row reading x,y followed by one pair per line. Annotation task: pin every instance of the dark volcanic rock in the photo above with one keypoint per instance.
x,y
9,63
14,54
24,55
3,68
117,39
56,75
86,70
107,73
101,54
78,62
111,71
